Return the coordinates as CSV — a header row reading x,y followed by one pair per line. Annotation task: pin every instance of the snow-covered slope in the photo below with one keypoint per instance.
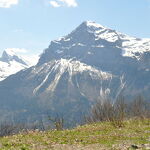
x,y
10,63
130,45
72,68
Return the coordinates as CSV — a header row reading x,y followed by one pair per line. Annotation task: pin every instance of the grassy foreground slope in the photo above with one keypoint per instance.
x,y
88,137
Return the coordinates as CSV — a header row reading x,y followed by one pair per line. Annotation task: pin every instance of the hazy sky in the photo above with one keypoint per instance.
x,y
32,24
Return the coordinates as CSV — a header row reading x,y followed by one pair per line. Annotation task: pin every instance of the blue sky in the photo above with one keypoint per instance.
x,y
32,24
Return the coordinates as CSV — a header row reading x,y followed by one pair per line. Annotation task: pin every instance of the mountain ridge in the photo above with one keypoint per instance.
x,y
70,75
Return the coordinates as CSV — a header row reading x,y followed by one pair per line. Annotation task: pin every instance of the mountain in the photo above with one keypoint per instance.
x,y
10,63
90,63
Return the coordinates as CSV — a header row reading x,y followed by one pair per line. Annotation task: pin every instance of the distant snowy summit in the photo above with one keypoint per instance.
x,y
11,63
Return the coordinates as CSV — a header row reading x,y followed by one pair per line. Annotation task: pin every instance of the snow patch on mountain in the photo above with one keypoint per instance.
x,y
94,25
132,47
10,68
72,67
11,62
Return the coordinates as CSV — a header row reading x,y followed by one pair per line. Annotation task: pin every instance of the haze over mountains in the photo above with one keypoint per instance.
x,y
90,63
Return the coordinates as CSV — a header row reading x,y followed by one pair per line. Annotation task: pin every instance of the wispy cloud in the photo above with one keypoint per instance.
x,y
54,3
61,3
8,3
16,50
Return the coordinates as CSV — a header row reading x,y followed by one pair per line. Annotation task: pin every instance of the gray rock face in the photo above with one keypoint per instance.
x,y
75,71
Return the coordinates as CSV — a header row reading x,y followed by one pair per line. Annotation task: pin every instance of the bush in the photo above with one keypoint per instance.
x,y
58,122
10,129
116,112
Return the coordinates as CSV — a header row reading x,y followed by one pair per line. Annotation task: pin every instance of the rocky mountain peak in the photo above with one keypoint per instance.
x,y
9,55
